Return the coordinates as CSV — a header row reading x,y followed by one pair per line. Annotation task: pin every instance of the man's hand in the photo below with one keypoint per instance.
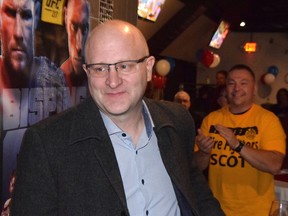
x,y
204,143
228,135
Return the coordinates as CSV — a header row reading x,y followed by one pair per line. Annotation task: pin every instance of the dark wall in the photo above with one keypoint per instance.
x,y
183,74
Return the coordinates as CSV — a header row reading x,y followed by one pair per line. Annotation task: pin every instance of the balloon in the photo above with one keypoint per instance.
x,y
269,78
273,70
163,67
216,61
171,62
159,81
207,58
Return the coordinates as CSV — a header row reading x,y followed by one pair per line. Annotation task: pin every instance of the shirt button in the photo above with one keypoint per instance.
x,y
147,212
123,134
136,152
142,181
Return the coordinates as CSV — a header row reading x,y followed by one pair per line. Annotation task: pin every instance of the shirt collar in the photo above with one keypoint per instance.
x,y
112,128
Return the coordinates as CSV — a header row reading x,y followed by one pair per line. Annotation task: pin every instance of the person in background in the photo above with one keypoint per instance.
x,y
221,77
281,107
205,100
281,110
210,97
182,97
77,27
284,122
243,146
116,153
222,97
218,100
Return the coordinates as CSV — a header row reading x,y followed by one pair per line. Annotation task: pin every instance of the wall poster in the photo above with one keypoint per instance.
x,y
41,71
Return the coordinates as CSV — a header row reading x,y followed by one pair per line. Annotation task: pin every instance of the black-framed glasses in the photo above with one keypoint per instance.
x,y
123,67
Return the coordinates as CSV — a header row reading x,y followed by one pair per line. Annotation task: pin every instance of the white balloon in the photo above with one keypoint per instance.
x,y
216,60
163,67
269,78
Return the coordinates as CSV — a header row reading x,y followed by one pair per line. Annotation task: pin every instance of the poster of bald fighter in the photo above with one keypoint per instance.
x,y
41,72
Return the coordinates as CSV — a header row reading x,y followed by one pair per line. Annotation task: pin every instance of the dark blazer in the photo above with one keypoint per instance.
x,y
67,165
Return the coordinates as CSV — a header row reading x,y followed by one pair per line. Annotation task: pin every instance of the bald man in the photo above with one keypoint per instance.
x,y
183,98
116,153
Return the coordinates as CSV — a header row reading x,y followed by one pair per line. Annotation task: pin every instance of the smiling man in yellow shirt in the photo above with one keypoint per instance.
x,y
243,146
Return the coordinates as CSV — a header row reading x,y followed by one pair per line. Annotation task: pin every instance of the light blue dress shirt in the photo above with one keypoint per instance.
x,y
148,187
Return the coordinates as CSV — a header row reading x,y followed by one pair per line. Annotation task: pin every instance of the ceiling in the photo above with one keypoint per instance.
x,y
261,16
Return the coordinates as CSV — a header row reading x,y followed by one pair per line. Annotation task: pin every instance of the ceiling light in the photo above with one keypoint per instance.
x,y
242,24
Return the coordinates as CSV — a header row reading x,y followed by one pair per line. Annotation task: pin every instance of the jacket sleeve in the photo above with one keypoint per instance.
x,y
35,192
203,201
190,185
206,203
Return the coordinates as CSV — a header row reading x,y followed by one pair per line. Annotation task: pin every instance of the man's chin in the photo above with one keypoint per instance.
x,y
19,67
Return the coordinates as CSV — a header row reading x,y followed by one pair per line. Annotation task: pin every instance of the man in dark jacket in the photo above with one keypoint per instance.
x,y
115,153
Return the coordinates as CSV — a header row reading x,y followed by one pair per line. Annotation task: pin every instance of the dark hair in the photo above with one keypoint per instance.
x,y
243,67
224,72
284,90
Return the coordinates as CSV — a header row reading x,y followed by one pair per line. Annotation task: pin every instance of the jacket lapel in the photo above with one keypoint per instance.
x,y
171,149
88,116
165,132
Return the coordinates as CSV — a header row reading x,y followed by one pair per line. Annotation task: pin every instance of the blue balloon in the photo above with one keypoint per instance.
x,y
273,70
171,62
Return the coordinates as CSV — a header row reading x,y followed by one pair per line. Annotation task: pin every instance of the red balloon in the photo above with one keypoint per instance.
x,y
262,78
159,81
207,58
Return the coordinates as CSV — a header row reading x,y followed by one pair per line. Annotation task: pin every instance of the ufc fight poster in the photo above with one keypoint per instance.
x,y
42,45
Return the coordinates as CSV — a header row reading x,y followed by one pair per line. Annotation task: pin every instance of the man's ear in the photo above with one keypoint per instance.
x,y
37,9
149,67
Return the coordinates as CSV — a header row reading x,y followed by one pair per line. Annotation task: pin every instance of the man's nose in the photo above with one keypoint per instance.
x,y
79,41
236,87
113,78
18,27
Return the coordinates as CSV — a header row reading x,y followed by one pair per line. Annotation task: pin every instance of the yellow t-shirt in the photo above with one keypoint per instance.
x,y
241,189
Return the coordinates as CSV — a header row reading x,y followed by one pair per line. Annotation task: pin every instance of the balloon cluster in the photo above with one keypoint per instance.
x,y
269,77
159,82
163,67
208,58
